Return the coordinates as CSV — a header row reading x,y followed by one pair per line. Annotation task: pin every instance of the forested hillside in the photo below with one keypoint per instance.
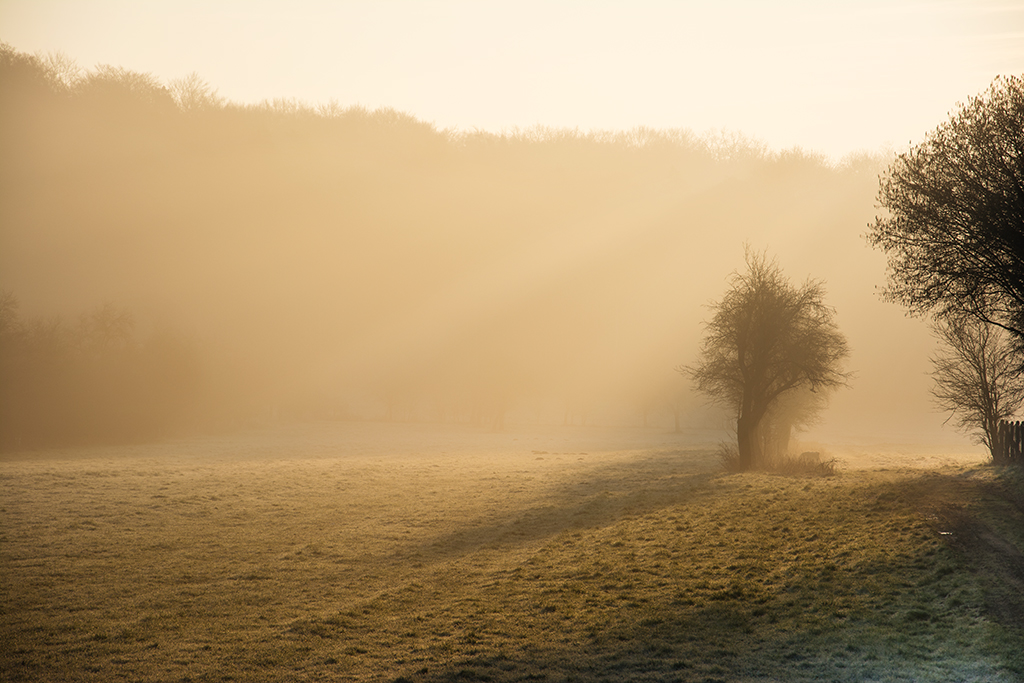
x,y
332,261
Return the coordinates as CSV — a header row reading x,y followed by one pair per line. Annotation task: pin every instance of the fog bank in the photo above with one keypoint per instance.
x,y
337,262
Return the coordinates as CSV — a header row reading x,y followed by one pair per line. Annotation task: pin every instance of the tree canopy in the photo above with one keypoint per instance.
x,y
767,340
954,232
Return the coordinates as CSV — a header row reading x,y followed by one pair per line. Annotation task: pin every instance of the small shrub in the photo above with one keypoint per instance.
x,y
808,464
729,456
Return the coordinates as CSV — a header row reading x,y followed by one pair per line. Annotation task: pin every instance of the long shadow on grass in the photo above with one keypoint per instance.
x,y
894,611
982,519
842,583
609,494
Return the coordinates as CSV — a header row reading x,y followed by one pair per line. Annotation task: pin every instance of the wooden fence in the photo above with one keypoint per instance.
x,y
1009,445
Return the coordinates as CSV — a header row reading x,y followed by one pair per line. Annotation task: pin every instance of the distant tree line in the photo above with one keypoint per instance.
x,y
91,381
331,252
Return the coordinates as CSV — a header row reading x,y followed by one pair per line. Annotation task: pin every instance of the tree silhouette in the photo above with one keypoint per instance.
x,y
192,94
976,377
93,382
767,340
954,234
794,411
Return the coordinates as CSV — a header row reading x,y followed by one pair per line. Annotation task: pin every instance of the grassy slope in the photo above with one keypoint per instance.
x,y
625,565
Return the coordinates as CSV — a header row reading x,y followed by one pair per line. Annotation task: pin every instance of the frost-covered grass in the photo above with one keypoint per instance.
x,y
355,552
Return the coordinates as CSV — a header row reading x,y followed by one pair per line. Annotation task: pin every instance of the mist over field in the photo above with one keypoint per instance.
x,y
299,261
318,391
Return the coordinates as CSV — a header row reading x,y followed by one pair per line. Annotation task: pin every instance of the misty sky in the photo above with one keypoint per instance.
x,y
834,77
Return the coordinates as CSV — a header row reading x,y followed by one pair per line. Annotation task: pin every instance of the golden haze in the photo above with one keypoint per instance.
x,y
341,262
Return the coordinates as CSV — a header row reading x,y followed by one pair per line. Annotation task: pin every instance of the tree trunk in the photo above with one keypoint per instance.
x,y
992,441
749,442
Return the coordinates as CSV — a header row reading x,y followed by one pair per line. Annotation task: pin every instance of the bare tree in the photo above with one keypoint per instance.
x,y
976,376
767,339
115,84
192,94
62,71
795,411
106,328
954,233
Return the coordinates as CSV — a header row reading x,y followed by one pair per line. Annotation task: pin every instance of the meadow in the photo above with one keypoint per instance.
x,y
377,552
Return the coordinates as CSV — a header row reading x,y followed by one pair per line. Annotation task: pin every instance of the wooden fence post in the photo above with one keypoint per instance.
x,y
1012,442
1004,442
1000,449
1008,448
1015,453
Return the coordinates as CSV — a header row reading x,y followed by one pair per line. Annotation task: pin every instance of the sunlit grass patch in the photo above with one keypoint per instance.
x,y
768,616
658,567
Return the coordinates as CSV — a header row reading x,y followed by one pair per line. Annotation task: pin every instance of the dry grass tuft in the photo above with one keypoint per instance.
x,y
811,464
729,456
806,464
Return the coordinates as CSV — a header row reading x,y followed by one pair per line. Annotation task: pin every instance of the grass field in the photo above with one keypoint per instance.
x,y
432,553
